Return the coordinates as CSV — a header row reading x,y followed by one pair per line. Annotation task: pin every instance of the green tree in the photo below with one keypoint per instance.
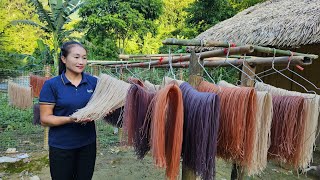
x,y
118,21
240,5
53,20
203,14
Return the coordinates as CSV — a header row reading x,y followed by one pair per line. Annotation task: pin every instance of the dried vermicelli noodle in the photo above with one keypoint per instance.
x,y
263,128
287,128
36,114
311,113
109,95
20,96
201,124
136,107
115,118
262,131
168,80
36,82
151,86
167,129
237,122
133,80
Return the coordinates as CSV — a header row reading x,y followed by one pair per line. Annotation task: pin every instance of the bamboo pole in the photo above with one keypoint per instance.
x,y
130,56
194,42
207,54
214,62
46,128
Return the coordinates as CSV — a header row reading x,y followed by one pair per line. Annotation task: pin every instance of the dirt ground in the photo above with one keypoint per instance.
x,y
118,162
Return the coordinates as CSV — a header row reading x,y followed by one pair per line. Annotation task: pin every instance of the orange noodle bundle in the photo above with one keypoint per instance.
x,y
166,129
287,128
20,96
36,82
201,124
237,122
135,110
310,117
262,131
109,95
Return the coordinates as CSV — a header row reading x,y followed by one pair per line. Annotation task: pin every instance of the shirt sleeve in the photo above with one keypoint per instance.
x,y
47,94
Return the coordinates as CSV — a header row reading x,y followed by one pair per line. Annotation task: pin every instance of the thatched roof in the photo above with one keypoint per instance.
x,y
281,23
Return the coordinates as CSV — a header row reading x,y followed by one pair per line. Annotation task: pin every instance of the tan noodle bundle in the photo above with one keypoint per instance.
x,y
109,95
20,96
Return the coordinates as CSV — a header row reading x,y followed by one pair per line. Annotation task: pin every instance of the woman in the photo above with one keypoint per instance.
x,y
72,142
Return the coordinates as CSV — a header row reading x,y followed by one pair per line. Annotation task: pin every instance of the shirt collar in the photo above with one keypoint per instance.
x,y
65,80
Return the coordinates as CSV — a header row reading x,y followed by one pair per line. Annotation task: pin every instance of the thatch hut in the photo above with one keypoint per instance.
x,y
283,24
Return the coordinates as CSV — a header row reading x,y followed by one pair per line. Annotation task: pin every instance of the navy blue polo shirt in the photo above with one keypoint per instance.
x,y
67,99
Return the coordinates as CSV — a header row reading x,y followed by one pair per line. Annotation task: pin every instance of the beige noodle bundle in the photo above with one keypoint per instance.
x,y
109,95
262,131
150,86
311,108
168,80
20,96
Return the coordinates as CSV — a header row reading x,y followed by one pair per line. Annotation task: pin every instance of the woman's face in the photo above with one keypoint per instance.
x,y
76,60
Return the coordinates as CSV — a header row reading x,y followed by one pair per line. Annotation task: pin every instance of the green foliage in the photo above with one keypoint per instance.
x,y
12,118
119,21
240,5
53,20
203,14
19,38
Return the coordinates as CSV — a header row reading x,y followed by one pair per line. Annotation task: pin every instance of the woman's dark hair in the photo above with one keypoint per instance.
x,y
65,48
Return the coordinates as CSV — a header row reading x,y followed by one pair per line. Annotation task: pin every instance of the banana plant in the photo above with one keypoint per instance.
x,y
53,20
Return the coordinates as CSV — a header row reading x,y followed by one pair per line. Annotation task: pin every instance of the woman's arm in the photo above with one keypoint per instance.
x,y
48,119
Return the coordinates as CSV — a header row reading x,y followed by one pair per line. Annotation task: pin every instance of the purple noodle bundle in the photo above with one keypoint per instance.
x,y
200,130
115,118
136,107
36,114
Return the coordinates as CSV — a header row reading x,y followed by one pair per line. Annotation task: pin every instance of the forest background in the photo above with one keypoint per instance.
x,y
31,31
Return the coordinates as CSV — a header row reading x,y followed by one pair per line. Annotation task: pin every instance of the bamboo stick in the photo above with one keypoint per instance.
x,y
296,60
207,54
46,128
128,56
194,42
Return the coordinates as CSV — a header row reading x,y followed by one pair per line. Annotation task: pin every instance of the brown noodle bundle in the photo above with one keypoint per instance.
x,y
287,129
237,122
36,82
311,113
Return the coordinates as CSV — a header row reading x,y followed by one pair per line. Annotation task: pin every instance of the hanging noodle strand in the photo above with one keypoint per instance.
x,y
201,124
167,129
109,95
20,96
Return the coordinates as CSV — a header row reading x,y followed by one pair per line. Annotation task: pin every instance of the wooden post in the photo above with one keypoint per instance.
x,y
47,70
237,170
195,78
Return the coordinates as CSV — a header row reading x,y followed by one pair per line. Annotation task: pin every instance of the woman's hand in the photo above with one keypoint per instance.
x,y
82,120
